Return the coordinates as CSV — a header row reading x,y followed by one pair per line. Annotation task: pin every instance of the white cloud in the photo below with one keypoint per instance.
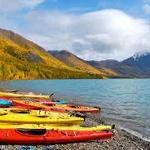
x,y
147,8
97,35
15,5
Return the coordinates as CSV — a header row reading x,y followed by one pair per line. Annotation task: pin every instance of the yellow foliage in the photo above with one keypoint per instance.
x,y
17,62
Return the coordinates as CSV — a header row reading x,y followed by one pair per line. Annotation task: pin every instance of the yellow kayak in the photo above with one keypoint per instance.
x,y
36,113
29,117
24,95
56,127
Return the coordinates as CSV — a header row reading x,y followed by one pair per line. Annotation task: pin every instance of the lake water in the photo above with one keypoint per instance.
x,y
125,101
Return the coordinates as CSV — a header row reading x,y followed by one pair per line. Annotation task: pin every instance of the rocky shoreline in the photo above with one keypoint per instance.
x,y
122,140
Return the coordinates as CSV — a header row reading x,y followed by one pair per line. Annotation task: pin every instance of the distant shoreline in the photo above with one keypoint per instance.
x,y
117,78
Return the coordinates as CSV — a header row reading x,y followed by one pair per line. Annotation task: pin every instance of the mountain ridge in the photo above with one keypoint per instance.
x,y
136,66
23,59
74,61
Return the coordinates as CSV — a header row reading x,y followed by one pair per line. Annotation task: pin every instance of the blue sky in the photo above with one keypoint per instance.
x,y
92,29
133,7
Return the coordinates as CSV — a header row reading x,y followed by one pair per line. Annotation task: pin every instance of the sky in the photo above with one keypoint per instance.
x,y
91,29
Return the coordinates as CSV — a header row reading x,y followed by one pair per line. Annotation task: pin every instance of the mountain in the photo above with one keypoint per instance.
x,y
140,64
137,66
73,61
141,61
23,59
18,39
106,65
121,69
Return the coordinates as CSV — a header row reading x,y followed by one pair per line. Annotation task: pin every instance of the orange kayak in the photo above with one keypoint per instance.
x,y
35,105
77,108
58,108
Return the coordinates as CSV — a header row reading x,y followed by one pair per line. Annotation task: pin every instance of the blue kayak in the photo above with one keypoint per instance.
x,y
61,101
5,103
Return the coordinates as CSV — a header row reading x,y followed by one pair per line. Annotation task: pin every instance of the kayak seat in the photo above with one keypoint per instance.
x,y
42,116
21,111
49,104
32,131
73,106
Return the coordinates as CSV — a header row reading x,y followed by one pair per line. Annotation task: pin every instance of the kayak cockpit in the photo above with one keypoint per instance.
x,y
32,132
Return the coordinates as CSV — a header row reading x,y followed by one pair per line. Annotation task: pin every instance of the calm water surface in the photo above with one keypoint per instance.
x,y
125,101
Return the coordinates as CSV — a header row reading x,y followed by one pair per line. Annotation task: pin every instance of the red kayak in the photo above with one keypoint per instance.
x,y
45,102
40,100
37,105
21,104
43,136
17,105
25,104
34,104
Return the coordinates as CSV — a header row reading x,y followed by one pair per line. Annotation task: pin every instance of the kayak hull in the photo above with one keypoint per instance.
x,y
24,95
5,103
77,108
24,104
37,117
37,105
34,137
57,127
